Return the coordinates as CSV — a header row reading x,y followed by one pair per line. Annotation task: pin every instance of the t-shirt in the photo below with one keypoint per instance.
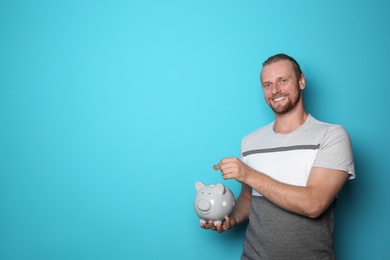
x,y
272,232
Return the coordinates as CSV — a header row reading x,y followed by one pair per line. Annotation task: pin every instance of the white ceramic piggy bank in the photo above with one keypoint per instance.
x,y
213,202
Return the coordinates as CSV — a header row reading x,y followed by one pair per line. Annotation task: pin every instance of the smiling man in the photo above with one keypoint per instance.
x,y
291,171
282,86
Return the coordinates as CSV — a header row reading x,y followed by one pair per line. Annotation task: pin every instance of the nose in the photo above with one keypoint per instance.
x,y
275,88
203,205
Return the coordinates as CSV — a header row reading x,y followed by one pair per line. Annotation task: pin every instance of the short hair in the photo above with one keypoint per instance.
x,y
281,57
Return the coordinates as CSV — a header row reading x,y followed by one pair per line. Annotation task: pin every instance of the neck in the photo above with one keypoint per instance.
x,y
287,123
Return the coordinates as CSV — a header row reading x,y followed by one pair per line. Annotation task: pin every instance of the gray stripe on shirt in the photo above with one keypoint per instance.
x,y
282,149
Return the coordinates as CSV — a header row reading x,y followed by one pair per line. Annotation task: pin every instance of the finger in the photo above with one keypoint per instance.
x,y
211,225
219,228
227,223
227,167
203,226
227,176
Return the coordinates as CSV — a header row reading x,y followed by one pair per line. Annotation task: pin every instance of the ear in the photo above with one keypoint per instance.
x,y
199,185
302,82
220,188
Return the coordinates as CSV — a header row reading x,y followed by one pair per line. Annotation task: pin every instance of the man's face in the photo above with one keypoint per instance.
x,y
282,90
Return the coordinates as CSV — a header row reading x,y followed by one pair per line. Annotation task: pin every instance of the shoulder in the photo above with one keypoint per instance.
x,y
331,135
255,139
327,129
335,128
335,150
262,131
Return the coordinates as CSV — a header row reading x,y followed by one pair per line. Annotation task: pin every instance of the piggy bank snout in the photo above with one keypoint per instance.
x,y
204,205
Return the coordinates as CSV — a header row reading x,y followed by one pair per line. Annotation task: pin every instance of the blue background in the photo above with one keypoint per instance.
x,y
111,110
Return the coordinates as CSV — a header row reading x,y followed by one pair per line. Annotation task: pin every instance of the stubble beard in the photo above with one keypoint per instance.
x,y
288,107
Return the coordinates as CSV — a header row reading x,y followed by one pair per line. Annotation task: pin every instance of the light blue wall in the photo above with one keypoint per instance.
x,y
111,110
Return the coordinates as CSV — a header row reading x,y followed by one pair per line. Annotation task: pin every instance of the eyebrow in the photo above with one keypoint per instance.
x,y
278,78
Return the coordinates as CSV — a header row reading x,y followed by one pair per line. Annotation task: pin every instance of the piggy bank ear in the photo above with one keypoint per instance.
x,y
199,185
220,188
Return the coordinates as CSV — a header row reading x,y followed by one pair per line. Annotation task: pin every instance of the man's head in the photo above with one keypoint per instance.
x,y
282,81
282,56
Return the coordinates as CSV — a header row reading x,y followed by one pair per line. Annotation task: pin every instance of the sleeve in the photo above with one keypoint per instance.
x,y
335,151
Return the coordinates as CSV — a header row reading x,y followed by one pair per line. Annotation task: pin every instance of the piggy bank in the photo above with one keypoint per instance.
x,y
213,202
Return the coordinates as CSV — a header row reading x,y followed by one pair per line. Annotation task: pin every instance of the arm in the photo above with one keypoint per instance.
x,y
243,205
312,200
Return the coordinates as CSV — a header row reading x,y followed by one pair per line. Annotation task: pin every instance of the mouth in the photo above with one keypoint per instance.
x,y
278,99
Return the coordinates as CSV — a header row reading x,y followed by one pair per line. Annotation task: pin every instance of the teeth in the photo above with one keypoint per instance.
x,y
278,99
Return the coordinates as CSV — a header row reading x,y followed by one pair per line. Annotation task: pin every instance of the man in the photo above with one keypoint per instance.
x,y
291,172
